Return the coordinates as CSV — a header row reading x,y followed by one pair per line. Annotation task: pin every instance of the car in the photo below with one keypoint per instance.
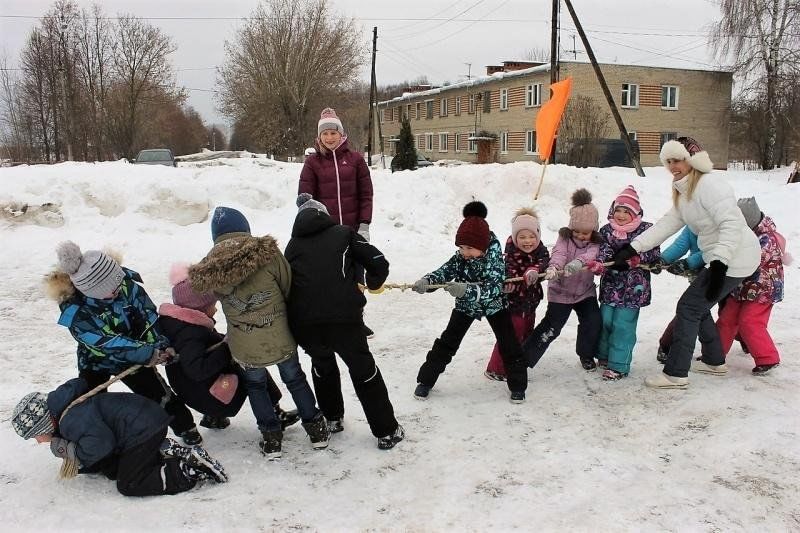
x,y
155,156
422,161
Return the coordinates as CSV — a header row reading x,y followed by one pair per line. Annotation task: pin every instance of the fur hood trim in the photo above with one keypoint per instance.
x,y
184,314
566,233
232,260
58,286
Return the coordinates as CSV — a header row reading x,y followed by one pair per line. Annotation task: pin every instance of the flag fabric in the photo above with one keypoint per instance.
x,y
549,118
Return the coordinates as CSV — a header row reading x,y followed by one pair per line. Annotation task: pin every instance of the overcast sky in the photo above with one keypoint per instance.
x,y
439,39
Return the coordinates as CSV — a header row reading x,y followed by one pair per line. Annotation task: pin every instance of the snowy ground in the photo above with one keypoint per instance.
x,y
579,455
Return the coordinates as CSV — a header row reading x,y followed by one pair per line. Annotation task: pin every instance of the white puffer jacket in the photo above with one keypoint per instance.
x,y
711,214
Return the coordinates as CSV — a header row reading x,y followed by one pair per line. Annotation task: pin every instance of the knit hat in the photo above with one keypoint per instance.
x,y
306,201
228,220
750,210
31,416
687,149
329,121
474,230
525,219
583,215
94,274
182,293
629,199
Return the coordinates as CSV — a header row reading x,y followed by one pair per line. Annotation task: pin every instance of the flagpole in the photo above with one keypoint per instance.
x,y
541,180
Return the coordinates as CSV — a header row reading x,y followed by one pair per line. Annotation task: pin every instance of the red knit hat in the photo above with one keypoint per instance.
x,y
474,230
629,199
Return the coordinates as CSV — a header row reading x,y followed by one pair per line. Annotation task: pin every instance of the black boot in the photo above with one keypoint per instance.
x,y
287,418
215,422
191,437
271,444
318,432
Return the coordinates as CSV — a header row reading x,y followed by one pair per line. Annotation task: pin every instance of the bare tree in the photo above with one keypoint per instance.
x,y
539,55
585,122
13,134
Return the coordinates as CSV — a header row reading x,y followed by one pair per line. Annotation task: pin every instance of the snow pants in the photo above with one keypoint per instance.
x,y
750,321
143,471
523,325
618,337
548,330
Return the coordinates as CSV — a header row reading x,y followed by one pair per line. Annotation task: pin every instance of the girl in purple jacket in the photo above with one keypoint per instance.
x,y
570,286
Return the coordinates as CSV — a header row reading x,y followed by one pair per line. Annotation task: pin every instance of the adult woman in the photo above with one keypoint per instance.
x,y
730,249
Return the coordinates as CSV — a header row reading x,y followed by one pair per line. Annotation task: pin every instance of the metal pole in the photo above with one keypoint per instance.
x,y
554,58
372,93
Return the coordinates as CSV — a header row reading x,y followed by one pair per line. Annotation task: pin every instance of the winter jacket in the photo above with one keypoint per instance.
x,y
324,257
203,357
579,286
686,242
524,299
113,334
712,215
340,180
625,288
484,296
765,286
252,279
105,425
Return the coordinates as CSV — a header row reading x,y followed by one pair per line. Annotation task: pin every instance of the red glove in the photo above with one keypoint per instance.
x,y
634,261
596,267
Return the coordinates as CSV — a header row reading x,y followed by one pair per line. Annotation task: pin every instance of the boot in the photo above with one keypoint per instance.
x,y
703,368
588,364
335,425
665,381
388,442
271,443
287,418
215,422
662,355
191,437
200,460
318,432
760,370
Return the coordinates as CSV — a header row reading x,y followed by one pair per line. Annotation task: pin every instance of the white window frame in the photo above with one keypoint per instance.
x,y
503,142
408,111
446,135
530,142
429,142
420,141
443,107
533,95
632,135
418,110
471,109
458,106
670,135
429,109
666,89
457,139
626,101
503,99
472,146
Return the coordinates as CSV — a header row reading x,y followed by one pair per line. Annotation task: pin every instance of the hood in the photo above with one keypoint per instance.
x,y
311,221
344,146
59,399
234,258
611,211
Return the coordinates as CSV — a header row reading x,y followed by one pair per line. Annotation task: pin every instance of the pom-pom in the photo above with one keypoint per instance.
x,y
475,209
526,211
303,198
69,257
178,272
581,197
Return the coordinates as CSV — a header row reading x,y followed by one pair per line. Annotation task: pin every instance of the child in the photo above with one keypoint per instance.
x,y
204,357
624,288
119,434
474,276
326,310
748,308
252,278
115,323
570,286
526,257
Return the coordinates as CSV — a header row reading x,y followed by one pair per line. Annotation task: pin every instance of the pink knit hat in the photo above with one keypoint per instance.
x,y
329,121
525,219
182,293
583,215
629,199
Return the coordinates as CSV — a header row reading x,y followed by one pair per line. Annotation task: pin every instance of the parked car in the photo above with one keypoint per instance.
x,y
422,161
156,156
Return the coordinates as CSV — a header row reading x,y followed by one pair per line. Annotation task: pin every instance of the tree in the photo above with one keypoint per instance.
x,y
763,38
216,138
406,156
584,123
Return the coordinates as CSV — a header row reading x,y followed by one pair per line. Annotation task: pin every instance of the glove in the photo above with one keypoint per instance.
x,y
420,286
456,289
573,267
508,288
531,276
634,261
551,273
377,291
163,357
620,258
716,278
596,267
657,266
62,448
679,268
363,230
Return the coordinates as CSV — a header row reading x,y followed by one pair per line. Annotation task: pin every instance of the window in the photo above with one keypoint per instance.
x,y
630,95
420,142
487,101
458,105
533,95
471,104
408,111
669,97
443,142
472,145
428,109
429,142
458,142
503,142
419,111
503,99
632,135
443,107
530,142
668,136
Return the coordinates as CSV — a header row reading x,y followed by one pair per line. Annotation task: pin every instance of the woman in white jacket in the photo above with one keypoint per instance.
x,y
730,249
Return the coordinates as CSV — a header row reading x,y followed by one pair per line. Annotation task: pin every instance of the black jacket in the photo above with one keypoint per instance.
x,y
324,257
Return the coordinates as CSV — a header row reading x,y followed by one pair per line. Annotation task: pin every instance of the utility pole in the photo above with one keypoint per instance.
x,y
214,137
614,111
372,93
67,111
574,50
469,71
554,57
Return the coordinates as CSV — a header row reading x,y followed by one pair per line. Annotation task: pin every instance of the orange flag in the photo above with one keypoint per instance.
x,y
549,118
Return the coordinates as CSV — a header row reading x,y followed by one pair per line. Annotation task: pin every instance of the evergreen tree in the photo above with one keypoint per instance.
x,y
406,156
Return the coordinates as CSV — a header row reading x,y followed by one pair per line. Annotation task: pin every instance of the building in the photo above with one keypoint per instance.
x,y
656,104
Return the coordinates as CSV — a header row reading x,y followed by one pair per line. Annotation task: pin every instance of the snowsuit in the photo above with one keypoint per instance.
x,y
565,294
325,311
748,309
114,335
524,299
622,294
118,434
484,297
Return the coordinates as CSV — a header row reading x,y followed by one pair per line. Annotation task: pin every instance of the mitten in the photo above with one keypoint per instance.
x,y
456,289
620,258
572,267
657,266
634,261
363,230
508,288
596,267
716,278
551,273
679,268
62,448
420,286
531,276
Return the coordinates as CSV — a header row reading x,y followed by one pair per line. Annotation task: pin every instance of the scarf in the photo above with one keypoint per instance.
x,y
621,230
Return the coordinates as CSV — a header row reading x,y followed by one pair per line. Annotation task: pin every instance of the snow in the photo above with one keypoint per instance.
x,y
579,455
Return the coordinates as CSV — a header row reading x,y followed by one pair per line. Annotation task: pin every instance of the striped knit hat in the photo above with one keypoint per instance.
x,y
629,199
329,121
31,416
93,273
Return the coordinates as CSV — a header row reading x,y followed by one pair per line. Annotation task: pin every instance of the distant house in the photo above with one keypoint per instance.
x,y
656,104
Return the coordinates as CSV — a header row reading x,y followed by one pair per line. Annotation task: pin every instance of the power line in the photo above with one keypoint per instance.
x,y
426,30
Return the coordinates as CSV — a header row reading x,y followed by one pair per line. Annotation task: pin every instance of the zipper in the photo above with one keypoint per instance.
x,y
338,186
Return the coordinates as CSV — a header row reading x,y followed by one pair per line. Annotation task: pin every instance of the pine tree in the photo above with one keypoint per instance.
x,y
406,156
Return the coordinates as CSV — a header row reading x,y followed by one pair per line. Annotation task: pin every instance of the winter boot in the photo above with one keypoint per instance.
x,y
335,425
494,376
199,459
602,363
287,418
588,364
318,432
388,442
271,444
665,381
662,355
215,422
171,448
613,375
703,368
517,397
191,437
760,370
422,391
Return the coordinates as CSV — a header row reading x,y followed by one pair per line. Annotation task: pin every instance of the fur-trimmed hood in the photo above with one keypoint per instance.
x,y
234,258
566,233
58,286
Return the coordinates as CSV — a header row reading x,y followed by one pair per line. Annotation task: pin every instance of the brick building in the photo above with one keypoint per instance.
x,y
656,104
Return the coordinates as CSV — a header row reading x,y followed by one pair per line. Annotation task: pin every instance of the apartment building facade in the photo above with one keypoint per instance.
x,y
656,104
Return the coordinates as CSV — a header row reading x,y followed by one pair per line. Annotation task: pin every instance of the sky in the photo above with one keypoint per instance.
x,y
443,40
